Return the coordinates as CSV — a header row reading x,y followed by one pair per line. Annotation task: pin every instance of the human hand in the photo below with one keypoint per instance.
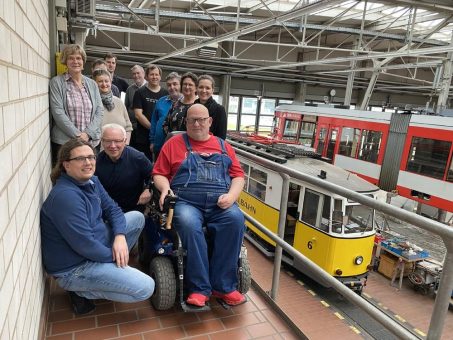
x,y
84,136
120,251
144,197
225,201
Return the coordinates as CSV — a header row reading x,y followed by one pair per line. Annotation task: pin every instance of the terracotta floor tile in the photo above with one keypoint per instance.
x,y
97,333
61,301
200,337
232,334
73,325
165,334
242,320
203,327
260,330
178,319
120,306
276,321
150,312
60,315
129,337
116,318
139,326
67,336
289,336
247,307
104,308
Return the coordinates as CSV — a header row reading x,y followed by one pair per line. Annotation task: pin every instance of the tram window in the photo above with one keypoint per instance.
x,y
257,183
358,219
245,168
290,131
349,142
233,110
370,145
428,157
307,133
322,140
316,210
337,217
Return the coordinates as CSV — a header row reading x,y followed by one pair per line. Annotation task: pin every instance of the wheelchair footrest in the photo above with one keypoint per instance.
x,y
195,309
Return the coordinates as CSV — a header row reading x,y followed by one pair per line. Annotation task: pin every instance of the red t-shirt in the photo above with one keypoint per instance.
x,y
174,152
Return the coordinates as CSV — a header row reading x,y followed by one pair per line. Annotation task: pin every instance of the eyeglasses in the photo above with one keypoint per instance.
x,y
81,159
200,121
113,141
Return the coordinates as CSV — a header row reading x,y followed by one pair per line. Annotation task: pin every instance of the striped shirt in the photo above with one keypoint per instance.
x,y
79,103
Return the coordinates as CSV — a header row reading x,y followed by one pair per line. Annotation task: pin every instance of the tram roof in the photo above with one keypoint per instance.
x,y
334,174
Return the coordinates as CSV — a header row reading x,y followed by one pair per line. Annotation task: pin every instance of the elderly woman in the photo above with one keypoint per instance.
x,y
176,116
217,112
114,109
75,102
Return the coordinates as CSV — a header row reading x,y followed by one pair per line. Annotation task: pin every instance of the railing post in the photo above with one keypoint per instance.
x,y
281,234
443,296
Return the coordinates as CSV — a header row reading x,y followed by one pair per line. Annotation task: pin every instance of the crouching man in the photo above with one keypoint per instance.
x,y
203,171
87,256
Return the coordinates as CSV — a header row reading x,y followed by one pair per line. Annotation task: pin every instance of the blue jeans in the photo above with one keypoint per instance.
x,y
96,280
225,232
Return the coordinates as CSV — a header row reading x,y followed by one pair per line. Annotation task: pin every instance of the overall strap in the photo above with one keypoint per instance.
x,y
222,145
186,141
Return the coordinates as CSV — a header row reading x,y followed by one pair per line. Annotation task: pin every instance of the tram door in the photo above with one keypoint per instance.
x,y
292,212
327,141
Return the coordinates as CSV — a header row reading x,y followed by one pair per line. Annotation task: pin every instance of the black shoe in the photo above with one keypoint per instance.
x,y
81,305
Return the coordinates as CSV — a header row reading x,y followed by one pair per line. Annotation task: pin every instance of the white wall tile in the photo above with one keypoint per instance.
x,y
13,83
9,14
4,76
5,38
9,121
6,292
7,169
4,214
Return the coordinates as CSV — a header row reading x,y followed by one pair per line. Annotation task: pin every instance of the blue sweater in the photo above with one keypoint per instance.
x,y
72,224
125,179
156,133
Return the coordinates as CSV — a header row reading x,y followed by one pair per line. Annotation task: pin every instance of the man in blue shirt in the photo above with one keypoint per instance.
x,y
123,171
158,116
87,256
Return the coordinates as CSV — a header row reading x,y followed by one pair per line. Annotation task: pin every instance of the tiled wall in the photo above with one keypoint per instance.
x,y
24,162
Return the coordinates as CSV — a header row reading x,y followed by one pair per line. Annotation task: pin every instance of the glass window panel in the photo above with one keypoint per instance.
x,y
331,145
265,123
349,141
267,107
258,175
310,208
370,146
428,157
247,123
232,121
307,133
450,171
290,131
234,104
284,101
358,219
215,97
249,105
322,140
257,189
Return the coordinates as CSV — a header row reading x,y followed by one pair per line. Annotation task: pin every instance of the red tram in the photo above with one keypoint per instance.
x,y
398,151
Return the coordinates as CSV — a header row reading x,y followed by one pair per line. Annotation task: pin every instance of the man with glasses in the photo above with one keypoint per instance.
x,y
203,171
85,236
123,171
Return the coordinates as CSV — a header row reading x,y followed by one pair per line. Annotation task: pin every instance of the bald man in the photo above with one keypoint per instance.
x,y
203,171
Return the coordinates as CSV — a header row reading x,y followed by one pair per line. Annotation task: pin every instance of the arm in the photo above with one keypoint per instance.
x,y
163,185
141,118
145,167
94,128
128,126
226,200
154,118
222,122
57,108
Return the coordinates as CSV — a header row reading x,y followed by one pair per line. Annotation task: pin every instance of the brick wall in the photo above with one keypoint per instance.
x,y
24,162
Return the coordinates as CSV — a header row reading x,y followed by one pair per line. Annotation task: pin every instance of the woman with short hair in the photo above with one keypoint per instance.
x,y
75,102
114,109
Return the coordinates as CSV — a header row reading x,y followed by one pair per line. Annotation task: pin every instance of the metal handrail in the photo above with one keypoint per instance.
x,y
446,233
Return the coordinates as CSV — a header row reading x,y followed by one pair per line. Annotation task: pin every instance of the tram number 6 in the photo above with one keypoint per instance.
x,y
310,245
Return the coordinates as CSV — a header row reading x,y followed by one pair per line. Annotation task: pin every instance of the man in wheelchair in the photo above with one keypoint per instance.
x,y
203,171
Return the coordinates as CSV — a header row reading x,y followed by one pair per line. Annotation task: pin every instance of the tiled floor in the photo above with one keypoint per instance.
x,y
253,320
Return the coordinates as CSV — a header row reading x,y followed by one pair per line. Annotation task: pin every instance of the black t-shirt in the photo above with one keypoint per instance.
x,y
120,83
145,99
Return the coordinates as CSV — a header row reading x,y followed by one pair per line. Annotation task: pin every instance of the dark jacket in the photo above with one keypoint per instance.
x,y
219,117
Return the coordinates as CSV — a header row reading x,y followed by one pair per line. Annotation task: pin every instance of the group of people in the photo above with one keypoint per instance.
x,y
93,215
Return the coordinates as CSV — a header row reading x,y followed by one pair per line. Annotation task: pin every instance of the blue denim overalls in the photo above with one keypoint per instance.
x,y
199,182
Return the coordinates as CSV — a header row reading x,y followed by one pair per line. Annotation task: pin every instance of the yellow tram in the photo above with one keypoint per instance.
x,y
332,231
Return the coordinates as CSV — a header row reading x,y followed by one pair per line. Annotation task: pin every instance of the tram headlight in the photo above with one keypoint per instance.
x,y
358,260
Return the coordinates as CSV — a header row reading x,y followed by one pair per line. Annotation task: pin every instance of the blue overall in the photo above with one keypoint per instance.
x,y
199,182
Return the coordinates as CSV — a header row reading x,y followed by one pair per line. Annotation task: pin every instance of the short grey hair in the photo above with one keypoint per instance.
x,y
114,126
173,75
138,67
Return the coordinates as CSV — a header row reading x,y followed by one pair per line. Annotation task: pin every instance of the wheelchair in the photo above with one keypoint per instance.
x,y
161,250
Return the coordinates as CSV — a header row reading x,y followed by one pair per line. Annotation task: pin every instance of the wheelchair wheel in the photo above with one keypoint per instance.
x,y
162,271
244,273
